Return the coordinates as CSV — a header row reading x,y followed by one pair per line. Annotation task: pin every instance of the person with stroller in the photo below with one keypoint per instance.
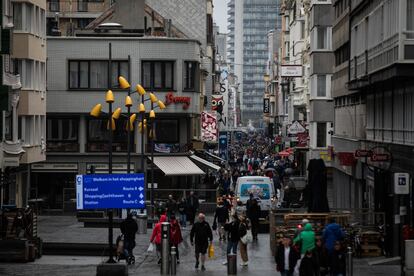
x,y
129,229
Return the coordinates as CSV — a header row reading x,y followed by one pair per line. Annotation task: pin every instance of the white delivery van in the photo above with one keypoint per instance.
x,y
262,189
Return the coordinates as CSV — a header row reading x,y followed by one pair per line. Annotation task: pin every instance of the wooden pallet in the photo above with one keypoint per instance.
x,y
370,250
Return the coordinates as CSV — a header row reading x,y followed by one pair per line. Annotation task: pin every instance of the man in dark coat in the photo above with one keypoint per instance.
x,y
171,206
129,229
192,207
286,266
253,213
201,236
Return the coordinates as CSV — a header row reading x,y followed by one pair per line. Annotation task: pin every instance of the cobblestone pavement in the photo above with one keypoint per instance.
x,y
67,229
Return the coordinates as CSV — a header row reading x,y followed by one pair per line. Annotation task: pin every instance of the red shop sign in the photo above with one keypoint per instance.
x,y
346,158
380,157
170,98
363,153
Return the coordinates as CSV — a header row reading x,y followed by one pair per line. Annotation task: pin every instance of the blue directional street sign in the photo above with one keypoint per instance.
x,y
103,191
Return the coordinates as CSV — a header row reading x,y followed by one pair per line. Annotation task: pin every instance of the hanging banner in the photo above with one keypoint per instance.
x,y
208,127
266,105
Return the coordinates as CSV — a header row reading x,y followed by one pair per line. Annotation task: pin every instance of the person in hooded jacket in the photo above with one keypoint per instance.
x,y
331,235
307,239
175,235
156,235
233,235
129,228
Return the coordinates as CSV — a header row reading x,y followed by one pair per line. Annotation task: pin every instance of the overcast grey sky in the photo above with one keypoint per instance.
x,y
220,14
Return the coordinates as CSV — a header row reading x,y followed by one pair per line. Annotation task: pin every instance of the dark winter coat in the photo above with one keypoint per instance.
x,y
308,267
331,234
129,228
337,263
253,210
192,204
201,233
221,215
182,207
294,256
232,229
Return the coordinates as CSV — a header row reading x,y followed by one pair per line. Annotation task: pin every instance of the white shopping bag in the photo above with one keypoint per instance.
x,y
150,248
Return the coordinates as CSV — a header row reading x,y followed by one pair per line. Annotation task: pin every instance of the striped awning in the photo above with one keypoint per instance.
x,y
204,162
177,165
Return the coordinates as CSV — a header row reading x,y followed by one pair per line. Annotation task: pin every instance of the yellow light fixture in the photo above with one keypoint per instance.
x,y
96,110
161,105
117,113
141,108
152,114
140,90
140,126
109,97
153,98
151,134
131,121
113,125
128,101
123,83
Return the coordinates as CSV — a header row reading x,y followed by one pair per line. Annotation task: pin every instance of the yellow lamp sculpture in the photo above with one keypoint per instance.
x,y
128,101
123,83
96,110
109,97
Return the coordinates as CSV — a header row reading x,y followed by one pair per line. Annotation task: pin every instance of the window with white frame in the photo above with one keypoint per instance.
x,y
29,18
321,38
321,86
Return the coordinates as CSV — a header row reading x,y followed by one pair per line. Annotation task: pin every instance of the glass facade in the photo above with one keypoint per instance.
x,y
259,17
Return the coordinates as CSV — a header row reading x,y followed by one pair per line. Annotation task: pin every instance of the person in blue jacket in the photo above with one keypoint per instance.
x,y
331,234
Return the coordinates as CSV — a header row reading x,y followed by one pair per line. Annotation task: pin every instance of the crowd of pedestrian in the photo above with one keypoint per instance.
x,y
311,255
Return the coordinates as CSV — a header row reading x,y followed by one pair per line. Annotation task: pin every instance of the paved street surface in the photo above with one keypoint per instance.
x,y
61,229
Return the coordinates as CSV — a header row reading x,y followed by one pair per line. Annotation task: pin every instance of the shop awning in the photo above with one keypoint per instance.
x,y
177,165
204,162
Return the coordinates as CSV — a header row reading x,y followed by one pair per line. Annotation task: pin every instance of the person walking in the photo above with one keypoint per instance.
x,y
221,217
331,234
321,256
233,235
175,235
306,238
129,228
156,236
182,210
192,207
286,257
337,261
201,236
254,217
244,229
171,206
307,265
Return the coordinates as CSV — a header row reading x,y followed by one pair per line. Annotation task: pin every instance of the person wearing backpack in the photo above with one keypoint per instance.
x,y
245,238
221,217
175,235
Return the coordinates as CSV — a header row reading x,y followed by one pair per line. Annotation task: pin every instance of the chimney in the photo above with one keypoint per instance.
x,y
130,14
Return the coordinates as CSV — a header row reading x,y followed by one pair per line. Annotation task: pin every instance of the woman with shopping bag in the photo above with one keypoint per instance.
x,y
156,236
246,237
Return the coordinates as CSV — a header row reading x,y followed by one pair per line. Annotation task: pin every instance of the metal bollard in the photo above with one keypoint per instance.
x,y
350,264
173,260
232,264
165,248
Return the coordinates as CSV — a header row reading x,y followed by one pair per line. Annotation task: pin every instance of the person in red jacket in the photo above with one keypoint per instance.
x,y
175,235
156,235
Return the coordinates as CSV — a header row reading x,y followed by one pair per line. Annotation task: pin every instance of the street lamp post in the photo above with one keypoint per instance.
x,y
155,103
